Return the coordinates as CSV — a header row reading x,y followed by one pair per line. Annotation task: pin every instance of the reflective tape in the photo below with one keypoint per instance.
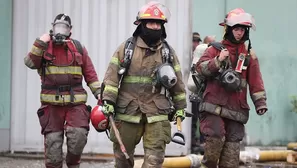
x,y
258,95
74,70
94,86
36,51
179,97
115,61
112,89
137,79
177,68
62,99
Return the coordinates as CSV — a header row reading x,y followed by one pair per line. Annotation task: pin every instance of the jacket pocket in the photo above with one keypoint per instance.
x,y
215,94
43,115
163,105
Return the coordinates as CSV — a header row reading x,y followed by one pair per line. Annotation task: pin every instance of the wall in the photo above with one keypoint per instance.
x,y
101,26
5,69
275,44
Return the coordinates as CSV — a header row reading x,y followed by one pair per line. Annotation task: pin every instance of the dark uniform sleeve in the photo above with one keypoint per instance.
x,y
33,60
208,64
256,85
111,78
90,74
178,91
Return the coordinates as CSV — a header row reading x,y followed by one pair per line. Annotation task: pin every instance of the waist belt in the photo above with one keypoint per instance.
x,y
224,112
62,88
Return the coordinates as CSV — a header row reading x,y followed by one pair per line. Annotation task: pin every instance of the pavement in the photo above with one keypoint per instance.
x,y
8,162
93,161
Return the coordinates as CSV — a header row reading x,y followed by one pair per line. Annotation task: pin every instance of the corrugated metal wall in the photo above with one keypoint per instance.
x,y
275,43
101,25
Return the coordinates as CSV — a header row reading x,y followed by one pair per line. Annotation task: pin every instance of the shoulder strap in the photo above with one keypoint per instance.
x,y
78,46
166,52
247,59
217,45
128,54
129,48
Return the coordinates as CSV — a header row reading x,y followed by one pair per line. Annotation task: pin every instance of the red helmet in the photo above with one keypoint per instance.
x,y
153,10
98,119
239,16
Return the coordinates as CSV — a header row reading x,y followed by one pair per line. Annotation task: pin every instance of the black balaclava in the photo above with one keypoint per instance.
x,y
150,36
229,35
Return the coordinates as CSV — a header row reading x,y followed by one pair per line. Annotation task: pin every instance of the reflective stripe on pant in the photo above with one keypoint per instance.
x,y
155,137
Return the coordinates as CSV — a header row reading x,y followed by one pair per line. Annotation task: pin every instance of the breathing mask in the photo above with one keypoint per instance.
x,y
166,75
230,80
61,31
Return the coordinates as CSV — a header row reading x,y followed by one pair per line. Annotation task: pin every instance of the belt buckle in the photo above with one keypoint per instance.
x,y
218,110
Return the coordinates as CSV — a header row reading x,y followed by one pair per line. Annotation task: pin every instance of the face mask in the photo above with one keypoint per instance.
x,y
60,32
150,36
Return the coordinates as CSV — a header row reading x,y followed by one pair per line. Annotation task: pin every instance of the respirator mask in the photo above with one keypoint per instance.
x,y
230,80
61,31
166,75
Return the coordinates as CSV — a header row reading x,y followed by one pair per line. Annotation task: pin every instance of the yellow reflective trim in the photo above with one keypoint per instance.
x,y
179,97
36,51
110,88
51,98
74,70
28,62
115,61
136,119
137,79
128,118
177,68
258,95
157,118
145,14
94,86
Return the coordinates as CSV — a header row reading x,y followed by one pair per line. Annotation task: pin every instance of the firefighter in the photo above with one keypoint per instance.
x,y
229,68
62,63
196,40
139,101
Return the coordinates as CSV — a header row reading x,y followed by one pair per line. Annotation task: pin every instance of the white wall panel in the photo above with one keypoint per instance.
x,y
101,25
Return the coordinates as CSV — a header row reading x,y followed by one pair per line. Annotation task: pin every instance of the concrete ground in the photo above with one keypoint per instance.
x,y
29,161
7,162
